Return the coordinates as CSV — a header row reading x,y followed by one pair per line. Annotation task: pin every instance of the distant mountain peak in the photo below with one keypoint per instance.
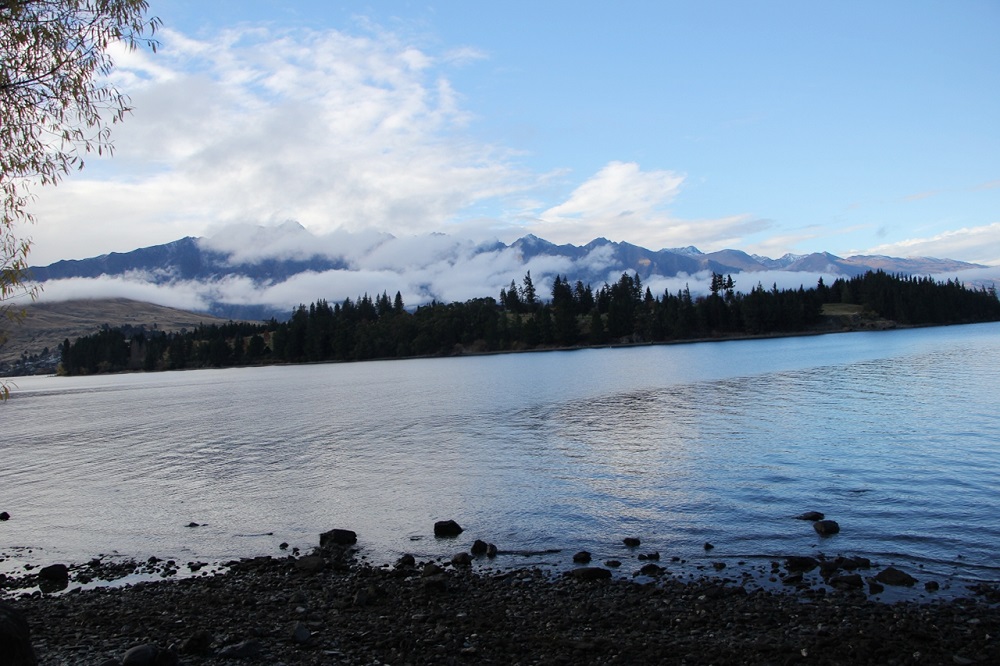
x,y
258,269
690,251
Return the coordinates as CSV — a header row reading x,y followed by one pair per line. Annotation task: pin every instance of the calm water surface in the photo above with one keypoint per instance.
x,y
896,435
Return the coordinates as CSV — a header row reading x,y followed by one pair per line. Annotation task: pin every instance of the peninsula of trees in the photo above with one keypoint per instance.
x,y
575,316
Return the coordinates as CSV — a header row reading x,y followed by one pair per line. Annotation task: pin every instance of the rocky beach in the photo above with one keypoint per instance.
x,y
329,606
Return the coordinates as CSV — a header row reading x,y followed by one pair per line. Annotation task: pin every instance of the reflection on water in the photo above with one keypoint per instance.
x,y
892,434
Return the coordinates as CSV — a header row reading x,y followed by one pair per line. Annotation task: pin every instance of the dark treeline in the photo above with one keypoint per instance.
x,y
574,315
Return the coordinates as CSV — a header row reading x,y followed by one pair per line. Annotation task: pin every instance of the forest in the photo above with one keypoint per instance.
x,y
574,315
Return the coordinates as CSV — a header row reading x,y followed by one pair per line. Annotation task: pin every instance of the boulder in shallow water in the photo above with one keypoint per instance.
x,y
479,547
4,515
652,570
893,576
55,573
847,581
583,557
53,578
811,515
338,538
631,542
801,563
461,559
15,637
447,528
826,527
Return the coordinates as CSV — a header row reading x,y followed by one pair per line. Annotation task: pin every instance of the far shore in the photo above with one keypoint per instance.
x,y
836,324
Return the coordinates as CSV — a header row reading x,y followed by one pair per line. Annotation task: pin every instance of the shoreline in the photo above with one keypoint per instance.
x,y
328,607
835,325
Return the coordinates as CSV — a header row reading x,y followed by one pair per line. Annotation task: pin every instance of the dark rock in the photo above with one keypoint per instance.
x,y
338,538
479,547
55,573
406,560
53,578
612,563
192,524
283,545
874,587
708,546
631,542
893,576
447,528
491,550
718,566
852,563
932,586
857,563
310,564
792,579
4,515
149,655
811,515
829,567
301,633
797,563
826,527
15,637
435,583
366,597
650,556
583,557
244,650
652,570
847,581
461,559
432,569
200,642
140,655
589,573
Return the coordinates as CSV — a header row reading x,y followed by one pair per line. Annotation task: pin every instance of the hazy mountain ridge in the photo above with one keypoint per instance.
x,y
191,259
251,272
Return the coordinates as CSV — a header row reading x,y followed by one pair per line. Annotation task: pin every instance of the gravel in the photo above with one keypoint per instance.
x,y
326,608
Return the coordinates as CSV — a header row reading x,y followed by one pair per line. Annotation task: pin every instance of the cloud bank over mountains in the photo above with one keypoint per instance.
x,y
249,271
370,129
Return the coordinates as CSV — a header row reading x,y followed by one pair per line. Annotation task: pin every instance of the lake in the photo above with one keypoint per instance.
x,y
895,435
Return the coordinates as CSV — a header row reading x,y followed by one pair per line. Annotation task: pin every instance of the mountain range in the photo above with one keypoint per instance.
x,y
255,272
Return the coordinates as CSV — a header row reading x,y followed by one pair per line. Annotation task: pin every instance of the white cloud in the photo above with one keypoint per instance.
x,y
623,202
979,245
334,130
182,295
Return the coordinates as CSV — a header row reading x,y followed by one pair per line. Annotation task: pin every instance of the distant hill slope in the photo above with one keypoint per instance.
x,y
48,324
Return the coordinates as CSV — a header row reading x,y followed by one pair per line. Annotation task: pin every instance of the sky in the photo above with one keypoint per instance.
x,y
769,127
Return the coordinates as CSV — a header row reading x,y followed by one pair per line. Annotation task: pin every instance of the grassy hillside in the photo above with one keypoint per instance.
x,y
48,324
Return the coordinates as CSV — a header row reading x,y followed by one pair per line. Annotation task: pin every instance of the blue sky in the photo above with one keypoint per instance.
x,y
770,127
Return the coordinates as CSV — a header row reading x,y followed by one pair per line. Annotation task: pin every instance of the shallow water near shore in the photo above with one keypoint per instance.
x,y
895,435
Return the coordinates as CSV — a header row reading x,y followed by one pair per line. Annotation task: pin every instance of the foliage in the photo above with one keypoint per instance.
x,y
56,105
622,313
